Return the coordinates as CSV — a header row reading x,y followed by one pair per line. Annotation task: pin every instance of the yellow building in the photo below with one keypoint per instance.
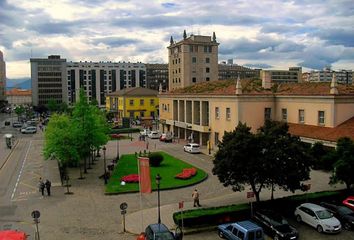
x,y
203,112
133,103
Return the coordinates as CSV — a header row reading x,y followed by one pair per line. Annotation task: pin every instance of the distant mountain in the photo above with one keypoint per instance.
x,y
23,83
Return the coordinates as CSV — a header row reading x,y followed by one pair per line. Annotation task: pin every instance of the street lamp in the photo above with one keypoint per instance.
x,y
104,164
158,179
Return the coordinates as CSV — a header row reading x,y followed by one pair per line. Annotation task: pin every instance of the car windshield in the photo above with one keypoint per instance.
x,y
164,236
323,214
278,220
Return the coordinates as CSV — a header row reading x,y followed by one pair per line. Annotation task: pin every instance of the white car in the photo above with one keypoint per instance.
x,y
192,148
154,135
317,217
145,132
29,129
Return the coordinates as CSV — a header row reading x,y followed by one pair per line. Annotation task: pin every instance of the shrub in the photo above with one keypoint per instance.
x,y
155,159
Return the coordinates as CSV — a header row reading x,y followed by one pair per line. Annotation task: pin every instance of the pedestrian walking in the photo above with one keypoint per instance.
x,y
195,196
41,186
48,184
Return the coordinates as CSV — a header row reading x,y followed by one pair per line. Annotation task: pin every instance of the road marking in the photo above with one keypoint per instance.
x,y
28,185
19,176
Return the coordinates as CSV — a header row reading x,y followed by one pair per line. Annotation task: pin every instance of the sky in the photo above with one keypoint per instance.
x,y
272,34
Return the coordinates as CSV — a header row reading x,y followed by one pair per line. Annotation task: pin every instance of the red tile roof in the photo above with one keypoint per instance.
x,y
19,92
346,129
254,87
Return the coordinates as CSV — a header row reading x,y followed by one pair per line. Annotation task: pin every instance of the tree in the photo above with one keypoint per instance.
x,y
19,110
60,141
237,161
287,162
52,105
270,158
344,166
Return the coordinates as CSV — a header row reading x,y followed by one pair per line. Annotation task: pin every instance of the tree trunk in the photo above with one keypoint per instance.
x,y
272,194
85,167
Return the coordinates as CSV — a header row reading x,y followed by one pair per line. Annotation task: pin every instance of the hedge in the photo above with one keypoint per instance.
x,y
286,206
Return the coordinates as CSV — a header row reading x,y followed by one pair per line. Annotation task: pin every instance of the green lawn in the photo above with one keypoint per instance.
x,y
169,167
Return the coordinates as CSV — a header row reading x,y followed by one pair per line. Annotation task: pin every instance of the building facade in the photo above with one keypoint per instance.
x,y
157,74
192,60
100,78
48,76
233,71
325,75
133,103
270,77
201,115
2,77
19,97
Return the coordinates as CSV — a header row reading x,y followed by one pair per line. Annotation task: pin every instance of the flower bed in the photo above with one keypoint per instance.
x,y
186,173
131,178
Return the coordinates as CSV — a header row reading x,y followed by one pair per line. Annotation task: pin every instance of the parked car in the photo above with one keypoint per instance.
x,y
349,202
16,124
159,232
317,217
192,148
245,230
275,226
166,137
344,214
145,132
29,129
31,123
154,135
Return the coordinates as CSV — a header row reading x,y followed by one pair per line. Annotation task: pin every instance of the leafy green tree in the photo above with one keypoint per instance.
x,y
287,160
19,110
344,166
60,141
270,158
52,105
237,162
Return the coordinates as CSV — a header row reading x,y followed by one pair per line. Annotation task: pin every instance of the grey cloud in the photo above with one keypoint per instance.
x,y
55,27
337,36
258,65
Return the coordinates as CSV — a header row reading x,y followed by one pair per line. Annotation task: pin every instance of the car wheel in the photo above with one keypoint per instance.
x,y
221,235
276,237
298,218
319,229
347,226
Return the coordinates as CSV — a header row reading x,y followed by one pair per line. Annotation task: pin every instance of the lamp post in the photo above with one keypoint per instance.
x,y
104,164
158,179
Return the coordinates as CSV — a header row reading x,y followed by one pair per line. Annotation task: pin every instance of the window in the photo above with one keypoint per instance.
x,y
228,113
207,60
216,138
267,113
194,79
194,59
301,115
131,102
142,114
152,102
321,117
141,102
207,70
131,114
207,79
217,113
284,114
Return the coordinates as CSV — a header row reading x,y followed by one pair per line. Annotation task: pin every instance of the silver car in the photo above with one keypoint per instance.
x,y
29,129
317,217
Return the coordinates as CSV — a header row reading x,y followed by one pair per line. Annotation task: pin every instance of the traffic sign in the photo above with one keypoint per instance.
x,y
250,194
123,206
123,212
35,214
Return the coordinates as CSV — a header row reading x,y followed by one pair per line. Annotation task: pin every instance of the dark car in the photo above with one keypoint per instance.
x,y
344,214
275,225
159,232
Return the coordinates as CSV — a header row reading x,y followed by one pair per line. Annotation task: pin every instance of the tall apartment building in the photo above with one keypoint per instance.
x,y
192,60
101,78
232,71
325,75
49,80
269,77
2,77
157,74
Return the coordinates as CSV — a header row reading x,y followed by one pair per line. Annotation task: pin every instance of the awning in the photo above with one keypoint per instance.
x,y
12,235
